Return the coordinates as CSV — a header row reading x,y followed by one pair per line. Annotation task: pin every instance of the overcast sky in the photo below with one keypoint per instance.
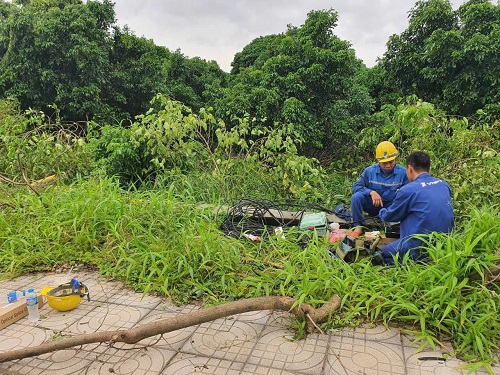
x,y
218,29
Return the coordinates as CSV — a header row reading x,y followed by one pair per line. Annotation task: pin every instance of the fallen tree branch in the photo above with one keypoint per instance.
x,y
9,181
312,316
45,180
24,177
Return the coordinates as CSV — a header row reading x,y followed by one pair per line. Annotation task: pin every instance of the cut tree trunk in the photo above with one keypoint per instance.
x,y
312,316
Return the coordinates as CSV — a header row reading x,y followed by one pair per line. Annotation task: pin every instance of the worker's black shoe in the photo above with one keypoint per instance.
x,y
378,258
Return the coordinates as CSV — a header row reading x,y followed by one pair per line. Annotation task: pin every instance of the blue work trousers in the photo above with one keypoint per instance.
x,y
400,247
362,203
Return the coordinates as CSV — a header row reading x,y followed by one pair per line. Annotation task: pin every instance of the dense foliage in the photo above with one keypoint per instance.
x,y
465,154
72,54
307,77
449,58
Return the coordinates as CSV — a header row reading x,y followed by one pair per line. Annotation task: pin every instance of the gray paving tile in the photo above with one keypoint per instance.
x,y
108,317
225,339
20,283
61,320
64,362
136,361
117,293
102,290
171,340
39,280
259,317
248,344
355,356
22,335
55,279
276,349
168,306
188,364
372,333
251,369
279,319
433,361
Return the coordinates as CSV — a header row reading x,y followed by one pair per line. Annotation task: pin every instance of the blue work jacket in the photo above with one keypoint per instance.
x,y
423,206
372,178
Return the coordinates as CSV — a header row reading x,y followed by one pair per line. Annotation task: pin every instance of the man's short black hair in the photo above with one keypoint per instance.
x,y
420,161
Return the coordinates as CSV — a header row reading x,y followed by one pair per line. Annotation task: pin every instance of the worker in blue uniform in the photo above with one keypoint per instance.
x,y
422,206
376,187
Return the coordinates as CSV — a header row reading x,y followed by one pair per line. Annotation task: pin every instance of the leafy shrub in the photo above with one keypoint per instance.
x,y
42,148
169,139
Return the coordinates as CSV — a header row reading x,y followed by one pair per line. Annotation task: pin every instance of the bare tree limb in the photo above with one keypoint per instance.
x,y
9,181
315,316
45,180
24,177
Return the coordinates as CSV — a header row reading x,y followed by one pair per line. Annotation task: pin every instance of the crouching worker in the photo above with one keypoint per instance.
x,y
422,206
376,187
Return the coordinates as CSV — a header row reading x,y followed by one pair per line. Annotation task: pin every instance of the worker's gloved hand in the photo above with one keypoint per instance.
x,y
376,199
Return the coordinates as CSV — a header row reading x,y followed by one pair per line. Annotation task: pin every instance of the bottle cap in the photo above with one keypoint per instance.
x,y
30,290
12,297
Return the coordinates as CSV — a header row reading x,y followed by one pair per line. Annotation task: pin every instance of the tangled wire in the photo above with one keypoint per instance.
x,y
249,216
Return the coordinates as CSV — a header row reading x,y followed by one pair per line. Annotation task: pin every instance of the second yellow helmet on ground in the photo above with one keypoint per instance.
x,y
386,151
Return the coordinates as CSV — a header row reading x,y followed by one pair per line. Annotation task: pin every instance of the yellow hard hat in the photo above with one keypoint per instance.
x,y
65,297
386,151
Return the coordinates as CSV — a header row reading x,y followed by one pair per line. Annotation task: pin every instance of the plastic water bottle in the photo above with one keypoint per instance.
x,y
336,233
334,226
32,303
13,296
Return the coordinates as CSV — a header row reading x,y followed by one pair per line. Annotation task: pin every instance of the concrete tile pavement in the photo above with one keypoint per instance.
x,y
246,344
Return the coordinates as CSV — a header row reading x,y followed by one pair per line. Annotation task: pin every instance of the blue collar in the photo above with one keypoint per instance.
x,y
422,175
380,171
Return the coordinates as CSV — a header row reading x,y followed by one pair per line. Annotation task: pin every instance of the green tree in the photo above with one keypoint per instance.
x,y
307,77
256,53
193,81
71,53
475,83
138,72
172,140
57,52
446,57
